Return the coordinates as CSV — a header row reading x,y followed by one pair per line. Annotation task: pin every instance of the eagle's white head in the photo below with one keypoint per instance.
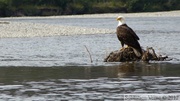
x,y
121,20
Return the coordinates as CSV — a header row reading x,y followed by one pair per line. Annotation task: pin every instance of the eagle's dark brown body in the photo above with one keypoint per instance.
x,y
127,36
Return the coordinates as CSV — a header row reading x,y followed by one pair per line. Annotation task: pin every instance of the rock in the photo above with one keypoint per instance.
x,y
127,54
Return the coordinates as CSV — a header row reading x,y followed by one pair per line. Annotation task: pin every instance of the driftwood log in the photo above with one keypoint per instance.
x,y
127,54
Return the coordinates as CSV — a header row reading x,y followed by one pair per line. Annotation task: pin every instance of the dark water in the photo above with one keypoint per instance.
x,y
59,68
88,82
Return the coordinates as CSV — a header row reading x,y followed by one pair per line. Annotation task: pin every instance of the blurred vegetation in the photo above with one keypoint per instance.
x,y
67,7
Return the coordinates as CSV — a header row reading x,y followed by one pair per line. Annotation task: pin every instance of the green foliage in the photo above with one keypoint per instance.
x,y
61,7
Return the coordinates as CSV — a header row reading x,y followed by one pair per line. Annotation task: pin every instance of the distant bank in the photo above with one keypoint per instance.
x,y
75,7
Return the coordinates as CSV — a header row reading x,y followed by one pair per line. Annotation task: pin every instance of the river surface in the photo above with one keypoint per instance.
x,y
59,68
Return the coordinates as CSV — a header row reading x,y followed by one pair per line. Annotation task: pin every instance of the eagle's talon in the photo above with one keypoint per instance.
x,y
126,47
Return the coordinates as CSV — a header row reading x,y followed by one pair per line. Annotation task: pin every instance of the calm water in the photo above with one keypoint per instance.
x,y
59,68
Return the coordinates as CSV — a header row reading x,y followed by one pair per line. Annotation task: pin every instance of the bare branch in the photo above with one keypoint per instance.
x,y
89,54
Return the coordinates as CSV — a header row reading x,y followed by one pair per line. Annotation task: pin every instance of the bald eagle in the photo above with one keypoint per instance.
x,y
127,36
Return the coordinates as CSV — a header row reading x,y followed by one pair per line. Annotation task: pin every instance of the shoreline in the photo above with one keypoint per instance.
x,y
10,29
175,13
114,15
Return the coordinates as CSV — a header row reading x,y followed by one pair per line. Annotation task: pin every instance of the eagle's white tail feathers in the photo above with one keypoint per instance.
x,y
138,54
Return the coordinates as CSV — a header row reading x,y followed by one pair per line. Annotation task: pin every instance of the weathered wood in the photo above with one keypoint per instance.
x,y
127,54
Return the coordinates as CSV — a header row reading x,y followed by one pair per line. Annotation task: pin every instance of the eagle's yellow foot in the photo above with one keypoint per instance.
x,y
124,48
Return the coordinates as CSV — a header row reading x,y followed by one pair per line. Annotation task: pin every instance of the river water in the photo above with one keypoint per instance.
x,y
59,67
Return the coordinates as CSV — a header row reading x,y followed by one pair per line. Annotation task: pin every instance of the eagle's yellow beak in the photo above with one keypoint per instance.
x,y
118,18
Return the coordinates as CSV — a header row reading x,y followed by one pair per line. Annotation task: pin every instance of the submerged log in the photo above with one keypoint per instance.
x,y
127,54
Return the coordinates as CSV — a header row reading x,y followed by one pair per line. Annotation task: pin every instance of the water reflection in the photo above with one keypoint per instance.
x,y
147,69
11,74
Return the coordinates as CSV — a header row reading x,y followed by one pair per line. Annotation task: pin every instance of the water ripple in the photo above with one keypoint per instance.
x,y
92,89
